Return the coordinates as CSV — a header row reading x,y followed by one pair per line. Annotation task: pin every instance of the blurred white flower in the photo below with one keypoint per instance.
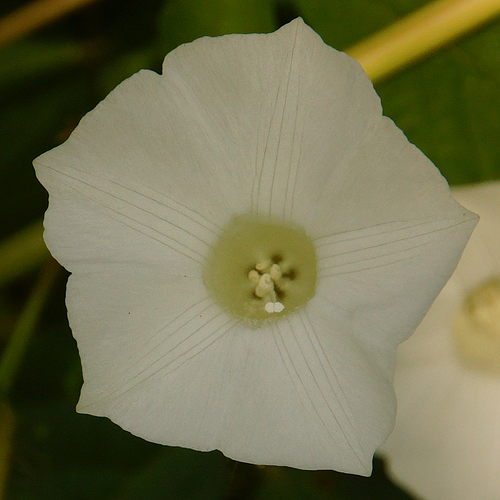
x,y
249,239
446,442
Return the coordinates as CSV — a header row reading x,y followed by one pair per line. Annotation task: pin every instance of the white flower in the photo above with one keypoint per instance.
x,y
249,239
446,442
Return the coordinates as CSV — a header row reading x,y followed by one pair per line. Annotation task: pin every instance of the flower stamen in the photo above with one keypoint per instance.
x,y
269,254
265,286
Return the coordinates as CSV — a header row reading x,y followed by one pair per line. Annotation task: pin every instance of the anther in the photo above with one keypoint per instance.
x,y
275,272
263,265
265,286
254,276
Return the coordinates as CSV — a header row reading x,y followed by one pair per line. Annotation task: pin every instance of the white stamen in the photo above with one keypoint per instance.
x,y
269,307
275,272
265,285
263,265
253,276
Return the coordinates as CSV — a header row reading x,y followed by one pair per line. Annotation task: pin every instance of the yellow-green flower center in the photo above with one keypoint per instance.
x,y
261,270
477,328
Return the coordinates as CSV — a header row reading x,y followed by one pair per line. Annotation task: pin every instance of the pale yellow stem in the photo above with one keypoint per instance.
x,y
419,33
35,15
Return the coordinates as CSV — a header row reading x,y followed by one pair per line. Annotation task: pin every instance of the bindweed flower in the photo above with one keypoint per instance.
x,y
249,239
446,442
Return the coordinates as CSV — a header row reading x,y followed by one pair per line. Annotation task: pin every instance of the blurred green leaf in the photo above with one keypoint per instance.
x,y
29,60
341,23
293,484
185,20
22,253
12,356
177,473
31,117
41,91
448,104
62,455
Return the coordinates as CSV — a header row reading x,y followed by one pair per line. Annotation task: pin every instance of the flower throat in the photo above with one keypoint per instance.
x,y
259,271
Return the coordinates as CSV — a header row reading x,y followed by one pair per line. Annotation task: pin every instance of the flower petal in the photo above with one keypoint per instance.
x,y
481,259
98,223
446,438
385,277
219,132
338,383
136,318
384,178
184,373
446,441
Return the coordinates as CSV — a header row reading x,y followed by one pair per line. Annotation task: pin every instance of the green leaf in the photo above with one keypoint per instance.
x,y
177,473
31,117
343,22
447,104
29,60
185,20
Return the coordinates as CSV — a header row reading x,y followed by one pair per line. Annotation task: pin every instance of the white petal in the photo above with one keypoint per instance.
x,y
166,364
481,258
98,223
278,123
385,277
446,441
128,321
270,99
447,435
383,179
220,132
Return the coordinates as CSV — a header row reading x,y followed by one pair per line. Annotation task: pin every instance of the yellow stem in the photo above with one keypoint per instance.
x,y
35,15
420,33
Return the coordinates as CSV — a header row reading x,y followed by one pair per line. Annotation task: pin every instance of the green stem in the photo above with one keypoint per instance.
x,y
25,325
420,33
